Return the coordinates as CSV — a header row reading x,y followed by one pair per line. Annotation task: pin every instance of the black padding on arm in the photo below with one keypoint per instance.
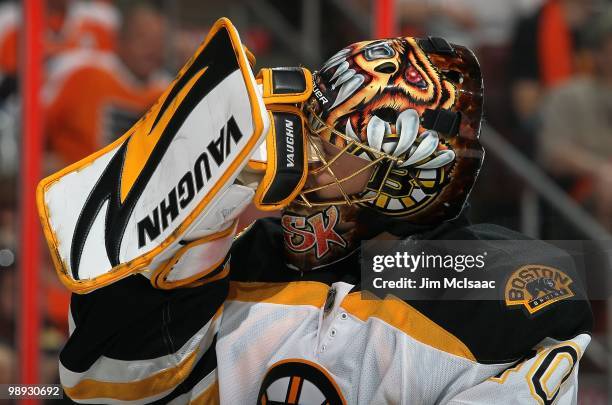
x,y
131,320
436,45
444,121
288,80
289,145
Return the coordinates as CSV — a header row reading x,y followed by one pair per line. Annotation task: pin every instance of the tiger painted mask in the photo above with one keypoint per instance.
x,y
384,94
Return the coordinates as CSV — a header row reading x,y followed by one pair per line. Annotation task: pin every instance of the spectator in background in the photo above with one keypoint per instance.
x,y
473,23
93,97
544,54
485,26
69,24
576,135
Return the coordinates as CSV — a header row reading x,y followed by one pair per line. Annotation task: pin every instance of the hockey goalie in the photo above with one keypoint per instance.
x,y
173,304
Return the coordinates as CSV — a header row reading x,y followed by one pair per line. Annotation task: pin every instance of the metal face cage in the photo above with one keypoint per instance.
x,y
316,126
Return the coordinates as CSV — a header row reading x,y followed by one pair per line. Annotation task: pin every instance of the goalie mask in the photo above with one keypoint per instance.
x,y
410,110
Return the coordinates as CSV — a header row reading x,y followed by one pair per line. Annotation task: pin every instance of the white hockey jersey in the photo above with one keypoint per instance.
x,y
261,333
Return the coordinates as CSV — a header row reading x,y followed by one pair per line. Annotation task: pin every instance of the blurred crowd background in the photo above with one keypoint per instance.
x,y
547,66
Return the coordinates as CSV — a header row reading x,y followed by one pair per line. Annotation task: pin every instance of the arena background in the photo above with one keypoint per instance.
x,y
547,67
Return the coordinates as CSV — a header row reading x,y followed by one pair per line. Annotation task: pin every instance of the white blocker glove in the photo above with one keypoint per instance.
x,y
162,201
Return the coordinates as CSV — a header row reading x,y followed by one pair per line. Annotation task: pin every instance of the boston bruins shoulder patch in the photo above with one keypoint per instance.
x,y
537,286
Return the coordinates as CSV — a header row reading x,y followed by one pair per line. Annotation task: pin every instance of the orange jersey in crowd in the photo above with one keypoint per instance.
x,y
89,24
91,99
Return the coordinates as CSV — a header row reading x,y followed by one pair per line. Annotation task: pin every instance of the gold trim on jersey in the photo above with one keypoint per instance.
x,y
292,293
406,318
156,384
506,373
210,396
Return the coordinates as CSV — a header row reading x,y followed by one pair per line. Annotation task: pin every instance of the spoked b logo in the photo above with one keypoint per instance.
x,y
298,381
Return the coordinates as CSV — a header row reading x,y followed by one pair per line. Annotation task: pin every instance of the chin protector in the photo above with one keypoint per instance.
x,y
149,202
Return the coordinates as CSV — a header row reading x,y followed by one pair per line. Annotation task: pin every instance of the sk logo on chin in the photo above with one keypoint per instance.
x,y
316,231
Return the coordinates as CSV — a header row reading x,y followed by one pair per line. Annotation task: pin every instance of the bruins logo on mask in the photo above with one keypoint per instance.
x,y
405,191
536,287
298,381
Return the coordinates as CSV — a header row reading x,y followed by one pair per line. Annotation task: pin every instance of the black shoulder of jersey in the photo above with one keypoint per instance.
x,y
494,330
540,295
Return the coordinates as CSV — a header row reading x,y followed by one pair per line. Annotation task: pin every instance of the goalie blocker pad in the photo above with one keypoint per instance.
x,y
135,201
